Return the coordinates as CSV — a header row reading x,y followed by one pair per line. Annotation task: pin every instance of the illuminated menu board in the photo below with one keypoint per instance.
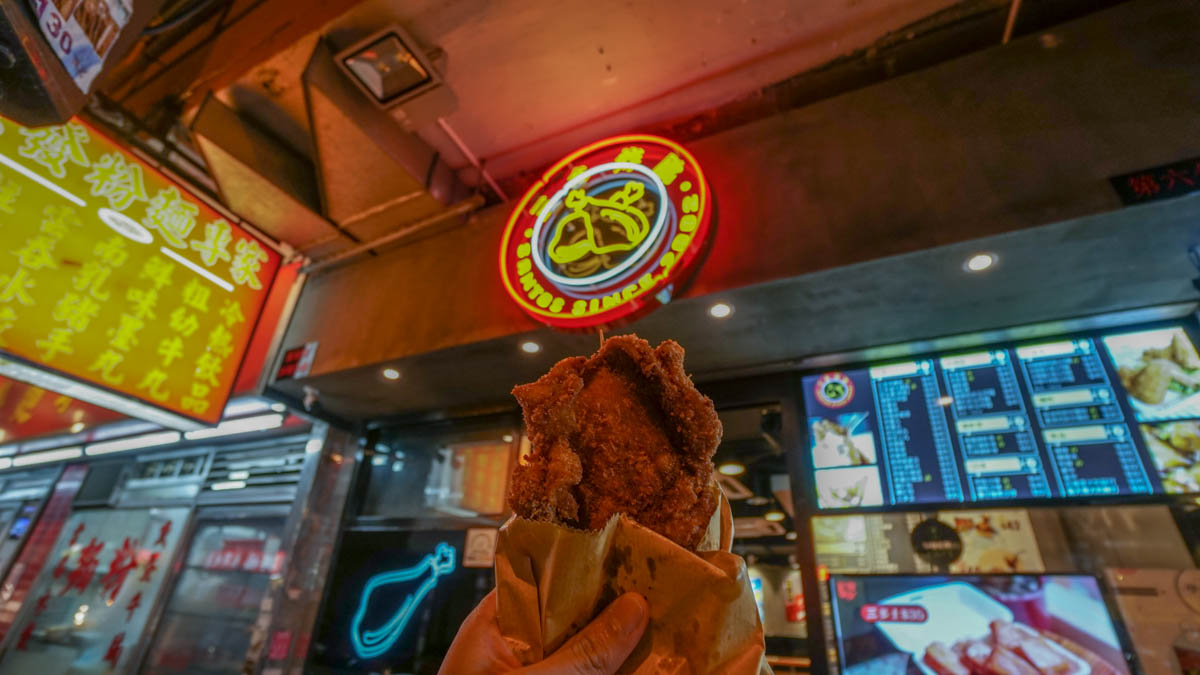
x,y
118,281
1085,416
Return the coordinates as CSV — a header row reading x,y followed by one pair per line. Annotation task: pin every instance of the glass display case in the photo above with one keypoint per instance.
x,y
230,561
90,605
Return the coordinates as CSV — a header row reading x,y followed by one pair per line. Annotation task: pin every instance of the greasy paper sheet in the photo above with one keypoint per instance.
x,y
552,580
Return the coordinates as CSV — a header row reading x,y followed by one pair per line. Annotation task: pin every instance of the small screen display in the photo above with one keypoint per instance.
x,y
896,625
1087,416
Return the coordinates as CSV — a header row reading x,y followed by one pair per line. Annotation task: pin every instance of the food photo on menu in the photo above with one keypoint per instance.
x,y
1175,449
1159,370
974,625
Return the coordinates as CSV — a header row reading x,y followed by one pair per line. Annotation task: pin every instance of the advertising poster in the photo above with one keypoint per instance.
x,y
974,624
995,541
1161,609
82,32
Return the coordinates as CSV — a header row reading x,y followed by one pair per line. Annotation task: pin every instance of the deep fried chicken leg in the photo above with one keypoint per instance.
x,y
624,431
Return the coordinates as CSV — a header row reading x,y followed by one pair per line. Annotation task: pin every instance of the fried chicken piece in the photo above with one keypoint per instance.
x,y
624,431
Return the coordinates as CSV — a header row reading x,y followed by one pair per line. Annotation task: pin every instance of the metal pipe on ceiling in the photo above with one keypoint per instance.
x,y
462,147
1011,22
465,206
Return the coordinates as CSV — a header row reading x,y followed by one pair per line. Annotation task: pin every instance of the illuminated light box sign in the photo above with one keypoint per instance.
x,y
1084,416
27,411
421,578
394,600
119,287
606,233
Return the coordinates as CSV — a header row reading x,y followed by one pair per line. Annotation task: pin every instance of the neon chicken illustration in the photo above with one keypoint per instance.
x,y
421,578
599,225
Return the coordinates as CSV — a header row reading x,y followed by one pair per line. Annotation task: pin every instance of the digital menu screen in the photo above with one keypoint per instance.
x,y
1034,624
1112,414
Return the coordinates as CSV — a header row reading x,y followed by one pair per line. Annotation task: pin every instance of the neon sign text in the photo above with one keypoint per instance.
x,y
606,233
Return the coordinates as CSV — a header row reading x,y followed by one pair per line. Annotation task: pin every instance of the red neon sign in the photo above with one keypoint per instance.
x,y
607,233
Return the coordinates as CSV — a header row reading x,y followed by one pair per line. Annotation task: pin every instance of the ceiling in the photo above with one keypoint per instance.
x,y
528,80
533,78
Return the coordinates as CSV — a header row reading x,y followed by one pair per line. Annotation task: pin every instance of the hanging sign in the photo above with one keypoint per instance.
x,y
607,233
120,281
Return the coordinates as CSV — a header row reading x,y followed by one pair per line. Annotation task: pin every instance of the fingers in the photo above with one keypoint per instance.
x,y
478,648
604,644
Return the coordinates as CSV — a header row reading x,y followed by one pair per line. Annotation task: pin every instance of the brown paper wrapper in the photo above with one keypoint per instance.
x,y
552,580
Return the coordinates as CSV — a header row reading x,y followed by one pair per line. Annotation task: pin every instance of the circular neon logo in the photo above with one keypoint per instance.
x,y
834,390
606,233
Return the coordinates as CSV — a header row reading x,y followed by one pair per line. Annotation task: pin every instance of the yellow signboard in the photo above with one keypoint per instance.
x,y
118,278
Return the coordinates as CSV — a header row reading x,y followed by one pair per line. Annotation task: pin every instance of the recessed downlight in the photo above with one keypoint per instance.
x,y
720,310
390,374
790,536
980,262
530,347
774,515
732,468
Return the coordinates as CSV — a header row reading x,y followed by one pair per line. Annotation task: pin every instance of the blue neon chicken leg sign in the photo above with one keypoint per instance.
x,y
371,643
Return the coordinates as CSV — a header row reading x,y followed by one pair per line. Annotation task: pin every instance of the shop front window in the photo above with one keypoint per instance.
x,y
208,620
451,474
88,609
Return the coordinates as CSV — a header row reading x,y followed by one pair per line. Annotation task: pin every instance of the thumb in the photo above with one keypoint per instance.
x,y
604,644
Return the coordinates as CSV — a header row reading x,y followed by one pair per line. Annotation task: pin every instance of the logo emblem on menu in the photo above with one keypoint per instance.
x,y
606,233
834,390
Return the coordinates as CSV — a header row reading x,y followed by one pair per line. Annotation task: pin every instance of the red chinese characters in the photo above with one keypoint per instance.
x,y
134,603
23,638
75,535
162,535
89,559
113,654
151,566
894,613
122,564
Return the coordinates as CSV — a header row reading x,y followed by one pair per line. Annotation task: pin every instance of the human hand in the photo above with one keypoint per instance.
x,y
598,649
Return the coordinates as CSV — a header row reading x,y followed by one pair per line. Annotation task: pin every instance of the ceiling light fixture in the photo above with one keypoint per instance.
x,y
979,262
229,485
132,443
732,468
720,310
757,500
774,515
391,374
388,67
790,536
239,426
74,452
530,347
76,427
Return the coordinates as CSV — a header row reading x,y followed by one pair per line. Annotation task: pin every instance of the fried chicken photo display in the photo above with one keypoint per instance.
x,y
617,494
